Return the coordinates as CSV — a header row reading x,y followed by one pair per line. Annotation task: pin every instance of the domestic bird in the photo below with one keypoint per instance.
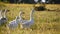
x,y
20,16
14,23
3,18
0,14
28,23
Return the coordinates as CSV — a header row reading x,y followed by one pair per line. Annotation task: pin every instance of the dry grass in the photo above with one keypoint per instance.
x,y
45,22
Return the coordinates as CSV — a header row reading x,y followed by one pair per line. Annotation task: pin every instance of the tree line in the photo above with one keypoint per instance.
x,y
30,1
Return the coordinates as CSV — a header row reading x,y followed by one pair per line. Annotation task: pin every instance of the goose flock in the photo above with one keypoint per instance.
x,y
18,20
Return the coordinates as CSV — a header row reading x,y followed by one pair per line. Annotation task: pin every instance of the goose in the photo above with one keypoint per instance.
x,y
3,18
14,23
28,23
0,14
20,16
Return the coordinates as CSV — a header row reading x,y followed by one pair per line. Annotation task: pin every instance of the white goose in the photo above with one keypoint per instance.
x,y
3,18
20,16
28,23
13,24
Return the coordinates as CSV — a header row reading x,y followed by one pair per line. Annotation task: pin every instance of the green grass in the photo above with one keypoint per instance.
x,y
45,22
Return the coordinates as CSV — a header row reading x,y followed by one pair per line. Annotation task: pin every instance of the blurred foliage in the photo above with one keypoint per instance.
x,y
2,6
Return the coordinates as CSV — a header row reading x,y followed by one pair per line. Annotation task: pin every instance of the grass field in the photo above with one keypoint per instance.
x,y
45,22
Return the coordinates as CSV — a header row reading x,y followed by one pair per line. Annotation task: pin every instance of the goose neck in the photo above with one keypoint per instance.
x,y
31,15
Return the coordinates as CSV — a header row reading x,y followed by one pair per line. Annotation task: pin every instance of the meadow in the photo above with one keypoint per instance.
x,y
45,22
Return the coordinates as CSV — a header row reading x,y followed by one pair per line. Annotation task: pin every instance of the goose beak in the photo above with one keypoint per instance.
x,y
23,12
5,10
17,17
8,10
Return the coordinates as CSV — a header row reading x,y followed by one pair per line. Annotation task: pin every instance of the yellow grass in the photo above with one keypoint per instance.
x,y
45,22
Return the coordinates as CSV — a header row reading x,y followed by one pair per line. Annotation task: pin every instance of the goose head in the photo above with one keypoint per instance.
x,y
17,17
5,10
32,10
21,12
